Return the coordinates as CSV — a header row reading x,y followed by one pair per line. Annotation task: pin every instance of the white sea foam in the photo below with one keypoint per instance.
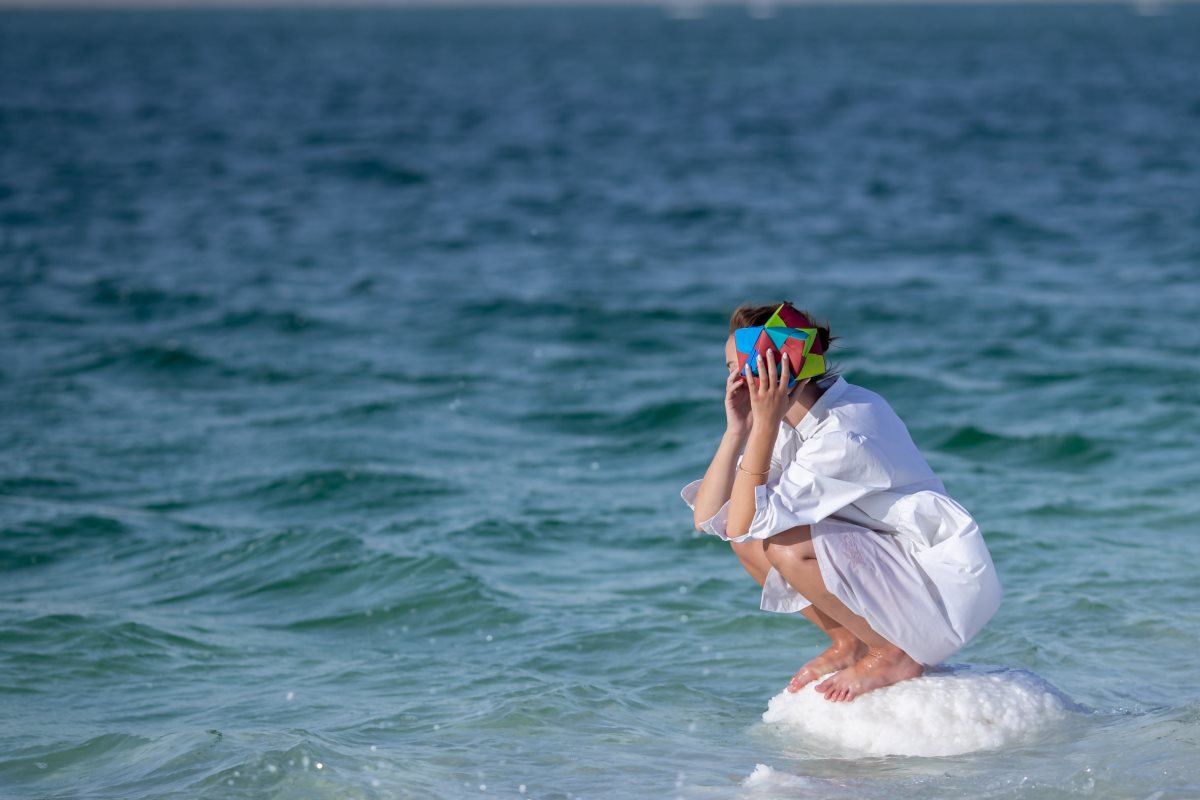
x,y
764,777
947,711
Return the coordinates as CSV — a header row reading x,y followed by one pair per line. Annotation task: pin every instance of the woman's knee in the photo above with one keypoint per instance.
x,y
797,563
787,549
753,558
796,535
782,555
745,547
753,550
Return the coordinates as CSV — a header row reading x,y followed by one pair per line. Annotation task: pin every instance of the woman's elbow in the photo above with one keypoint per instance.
x,y
738,527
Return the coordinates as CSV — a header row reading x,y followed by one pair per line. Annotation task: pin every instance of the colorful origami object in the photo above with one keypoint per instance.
x,y
787,331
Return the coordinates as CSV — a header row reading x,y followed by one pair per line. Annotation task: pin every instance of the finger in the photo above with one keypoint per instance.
x,y
770,370
785,374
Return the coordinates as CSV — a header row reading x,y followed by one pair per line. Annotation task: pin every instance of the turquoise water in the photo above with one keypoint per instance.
x,y
352,364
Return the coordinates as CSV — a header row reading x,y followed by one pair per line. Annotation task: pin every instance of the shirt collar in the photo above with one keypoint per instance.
x,y
810,421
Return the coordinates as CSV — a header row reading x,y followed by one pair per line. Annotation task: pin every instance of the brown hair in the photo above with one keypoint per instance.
x,y
747,316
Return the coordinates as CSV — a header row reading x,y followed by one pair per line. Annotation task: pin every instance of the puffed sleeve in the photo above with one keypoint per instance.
x,y
829,472
716,523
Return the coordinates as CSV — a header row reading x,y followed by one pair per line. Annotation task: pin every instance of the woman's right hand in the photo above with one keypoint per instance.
x,y
737,405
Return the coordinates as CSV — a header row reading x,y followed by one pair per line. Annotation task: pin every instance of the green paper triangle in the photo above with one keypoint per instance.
x,y
813,365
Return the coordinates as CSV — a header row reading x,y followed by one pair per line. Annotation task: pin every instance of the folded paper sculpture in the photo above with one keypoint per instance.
x,y
787,331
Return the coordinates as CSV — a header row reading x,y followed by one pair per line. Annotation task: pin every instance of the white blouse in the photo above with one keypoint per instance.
x,y
923,577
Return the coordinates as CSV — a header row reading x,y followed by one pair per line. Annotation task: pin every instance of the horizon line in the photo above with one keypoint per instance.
x,y
1152,6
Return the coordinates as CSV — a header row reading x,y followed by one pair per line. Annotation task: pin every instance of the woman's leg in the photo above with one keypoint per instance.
x,y
883,663
845,647
844,650
753,555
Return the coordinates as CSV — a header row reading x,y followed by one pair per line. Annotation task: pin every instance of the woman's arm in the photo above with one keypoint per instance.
x,y
757,459
769,400
718,480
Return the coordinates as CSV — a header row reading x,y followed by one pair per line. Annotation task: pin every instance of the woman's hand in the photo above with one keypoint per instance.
x,y
737,405
769,395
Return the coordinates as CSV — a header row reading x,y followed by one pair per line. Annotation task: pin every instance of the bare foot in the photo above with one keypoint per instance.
x,y
878,668
839,655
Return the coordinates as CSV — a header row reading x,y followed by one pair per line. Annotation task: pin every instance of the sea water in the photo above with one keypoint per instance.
x,y
351,364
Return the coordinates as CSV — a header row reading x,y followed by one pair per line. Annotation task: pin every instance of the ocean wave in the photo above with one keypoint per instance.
x,y
1053,449
143,301
649,417
271,581
428,595
37,484
364,487
36,763
176,359
600,319
168,356
285,321
39,542
369,169
242,565
67,643
359,488
351,412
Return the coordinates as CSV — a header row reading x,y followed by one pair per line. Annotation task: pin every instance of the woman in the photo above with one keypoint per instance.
x,y
832,510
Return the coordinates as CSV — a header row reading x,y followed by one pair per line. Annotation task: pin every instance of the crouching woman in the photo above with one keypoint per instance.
x,y
830,507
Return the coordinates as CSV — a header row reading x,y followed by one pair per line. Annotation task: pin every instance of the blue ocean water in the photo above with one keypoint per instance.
x,y
351,363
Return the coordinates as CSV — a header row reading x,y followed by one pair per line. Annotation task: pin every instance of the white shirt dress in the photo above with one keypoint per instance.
x,y
890,542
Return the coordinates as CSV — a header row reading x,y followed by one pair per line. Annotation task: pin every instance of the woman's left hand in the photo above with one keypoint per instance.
x,y
769,395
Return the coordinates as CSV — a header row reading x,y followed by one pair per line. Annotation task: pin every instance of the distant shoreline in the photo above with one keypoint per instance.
x,y
666,5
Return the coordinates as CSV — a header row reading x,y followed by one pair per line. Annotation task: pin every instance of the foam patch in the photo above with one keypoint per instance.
x,y
765,778
947,711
